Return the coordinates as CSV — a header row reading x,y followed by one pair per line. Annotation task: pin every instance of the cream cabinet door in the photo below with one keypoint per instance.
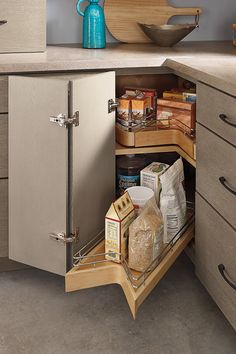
x,y
93,161
61,179
22,26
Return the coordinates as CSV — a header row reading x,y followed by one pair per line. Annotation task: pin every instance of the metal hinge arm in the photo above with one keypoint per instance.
x,y
112,105
62,238
63,121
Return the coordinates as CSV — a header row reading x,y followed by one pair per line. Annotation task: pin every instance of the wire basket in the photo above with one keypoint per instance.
x,y
83,258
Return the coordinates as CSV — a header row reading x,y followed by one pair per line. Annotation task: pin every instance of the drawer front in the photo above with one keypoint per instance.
x,y
210,105
215,159
3,145
222,299
25,27
216,244
3,218
3,94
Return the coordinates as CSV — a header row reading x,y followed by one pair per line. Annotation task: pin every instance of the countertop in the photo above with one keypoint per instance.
x,y
211,62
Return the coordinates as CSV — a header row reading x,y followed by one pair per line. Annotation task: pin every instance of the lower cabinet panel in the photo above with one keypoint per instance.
x,y
88,276
210,150
3,94
3,146
216,246
223,299
3,218
7,265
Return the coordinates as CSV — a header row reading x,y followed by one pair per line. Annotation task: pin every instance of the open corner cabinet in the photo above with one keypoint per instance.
x,y
62,156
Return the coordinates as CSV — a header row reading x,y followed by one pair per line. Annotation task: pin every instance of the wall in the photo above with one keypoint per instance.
x,y
64,25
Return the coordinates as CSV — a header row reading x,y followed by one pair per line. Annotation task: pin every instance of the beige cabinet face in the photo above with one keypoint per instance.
x,y
3,218
59,178
22,26
38,154
93,166
3,145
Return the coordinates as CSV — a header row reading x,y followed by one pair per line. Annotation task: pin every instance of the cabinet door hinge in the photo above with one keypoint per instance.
x,y
62,237
112,105
63,121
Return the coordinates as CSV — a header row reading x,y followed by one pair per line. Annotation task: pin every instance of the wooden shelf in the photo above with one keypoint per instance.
x,y
151,139
124,150
106,272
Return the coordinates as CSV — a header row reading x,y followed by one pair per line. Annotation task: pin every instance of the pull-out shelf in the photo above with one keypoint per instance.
x,y
94,270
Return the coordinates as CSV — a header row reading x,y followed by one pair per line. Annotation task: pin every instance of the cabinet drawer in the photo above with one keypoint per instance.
x,y
23,26
3,145
222,298
215,159
3,94
209,114
95,271
215,245
3,218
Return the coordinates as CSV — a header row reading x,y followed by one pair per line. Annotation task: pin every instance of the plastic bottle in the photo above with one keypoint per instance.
x,y
128,172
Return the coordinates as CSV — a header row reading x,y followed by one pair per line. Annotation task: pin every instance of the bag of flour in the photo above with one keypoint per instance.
x,y
145,237
173,200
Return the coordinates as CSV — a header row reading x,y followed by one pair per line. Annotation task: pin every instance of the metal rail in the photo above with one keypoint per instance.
x,y
83,259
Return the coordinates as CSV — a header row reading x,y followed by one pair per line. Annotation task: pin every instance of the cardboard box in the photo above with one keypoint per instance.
x,y
150,177
189,97
124,110
179,94
140,109
118,219
147,92
173,95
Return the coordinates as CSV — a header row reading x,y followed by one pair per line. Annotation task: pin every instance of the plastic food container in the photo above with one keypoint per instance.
x,y
128,172
140,195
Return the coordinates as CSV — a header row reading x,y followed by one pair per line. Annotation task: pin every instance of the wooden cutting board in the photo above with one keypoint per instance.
x,y
122,17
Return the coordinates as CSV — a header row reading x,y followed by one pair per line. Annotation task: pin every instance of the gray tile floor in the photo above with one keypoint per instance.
x,y
179,317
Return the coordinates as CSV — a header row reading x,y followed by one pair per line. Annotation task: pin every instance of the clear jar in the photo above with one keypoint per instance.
x,y
234,34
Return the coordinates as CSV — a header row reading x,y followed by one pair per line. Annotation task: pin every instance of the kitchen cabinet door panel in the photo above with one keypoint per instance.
x,y
62,178
93,166
3,145
38,172
3,94
3,218
23,27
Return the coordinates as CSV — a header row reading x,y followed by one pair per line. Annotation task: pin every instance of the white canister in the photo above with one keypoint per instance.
x,y
140,195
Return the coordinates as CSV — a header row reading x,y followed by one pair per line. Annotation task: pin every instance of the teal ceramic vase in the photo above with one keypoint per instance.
x,y
94,32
